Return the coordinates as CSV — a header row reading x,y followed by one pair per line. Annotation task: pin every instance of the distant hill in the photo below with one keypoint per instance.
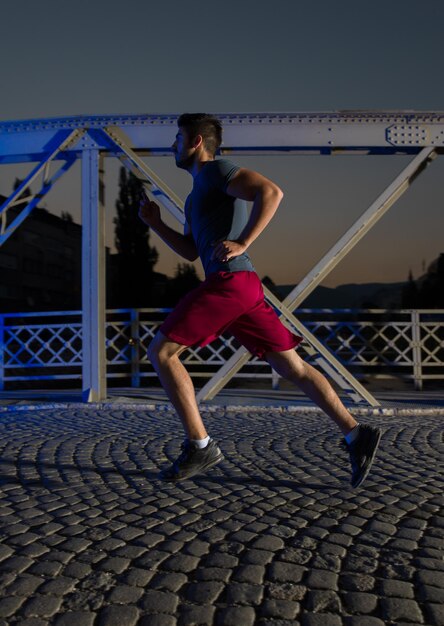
x,y
351,296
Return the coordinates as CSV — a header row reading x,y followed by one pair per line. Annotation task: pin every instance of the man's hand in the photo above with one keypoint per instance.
x,y
226,250
149,212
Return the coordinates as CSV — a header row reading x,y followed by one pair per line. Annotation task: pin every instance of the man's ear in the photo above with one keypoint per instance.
x,y
198,141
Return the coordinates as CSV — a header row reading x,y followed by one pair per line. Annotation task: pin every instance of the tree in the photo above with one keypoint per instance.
x,y
135,258
428,291
67,217
431,292
409,295
185,279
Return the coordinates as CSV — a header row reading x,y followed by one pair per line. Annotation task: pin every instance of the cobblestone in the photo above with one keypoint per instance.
x,y
397,588
280,571
395,609
322,579
42,606
234,616
114,564
356,602
77,570
159,602
244,594
8,606
125,594
213,573
322,601
157,620
273,536
181,563
257,557
363,620
204,592
250,573
280,609
324,619
436,613
168,581
118,615
192,615
33,621
75,618
25,585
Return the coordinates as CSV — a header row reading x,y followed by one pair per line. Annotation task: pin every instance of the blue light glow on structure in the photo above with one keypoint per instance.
x,y
58,142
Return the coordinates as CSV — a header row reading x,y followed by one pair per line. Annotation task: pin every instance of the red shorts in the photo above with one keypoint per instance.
x,y
229,302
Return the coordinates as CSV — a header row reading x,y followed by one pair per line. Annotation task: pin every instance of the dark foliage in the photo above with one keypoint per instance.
x,y
133,284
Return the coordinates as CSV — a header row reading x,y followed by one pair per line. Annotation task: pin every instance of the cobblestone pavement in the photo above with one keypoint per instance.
x,y
271,536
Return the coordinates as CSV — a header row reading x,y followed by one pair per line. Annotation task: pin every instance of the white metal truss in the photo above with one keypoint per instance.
x,y
336,132
324,358
315,277
93,277
130,137
31,200
360,228
152,183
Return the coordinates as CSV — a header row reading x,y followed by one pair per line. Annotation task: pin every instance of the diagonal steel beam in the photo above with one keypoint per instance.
x,y
327,361
322,356
151,181
360,228
34,200
14,199
162,192
367,220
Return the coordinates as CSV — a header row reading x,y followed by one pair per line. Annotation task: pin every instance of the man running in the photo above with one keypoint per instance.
x,y
231,299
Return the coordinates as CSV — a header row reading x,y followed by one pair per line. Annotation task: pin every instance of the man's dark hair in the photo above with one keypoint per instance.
x,y
203,124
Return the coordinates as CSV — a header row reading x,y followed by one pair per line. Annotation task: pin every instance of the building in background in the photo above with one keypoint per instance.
x,y
40,264
41,270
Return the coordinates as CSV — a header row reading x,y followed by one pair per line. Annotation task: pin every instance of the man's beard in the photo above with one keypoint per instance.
x,y
185,162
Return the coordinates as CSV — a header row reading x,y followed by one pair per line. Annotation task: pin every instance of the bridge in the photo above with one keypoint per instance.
x,y
56,144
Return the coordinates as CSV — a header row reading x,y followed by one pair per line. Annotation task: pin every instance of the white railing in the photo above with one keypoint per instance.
x,y
371,342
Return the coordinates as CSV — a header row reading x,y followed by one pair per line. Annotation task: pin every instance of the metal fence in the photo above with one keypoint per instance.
x,y
48,346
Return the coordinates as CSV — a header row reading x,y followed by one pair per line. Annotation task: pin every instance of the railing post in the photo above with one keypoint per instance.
x,y
134,342
275,378
416,346
2,352
93,277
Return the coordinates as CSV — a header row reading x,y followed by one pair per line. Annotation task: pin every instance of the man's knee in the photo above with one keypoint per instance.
x,y
161,349
287,364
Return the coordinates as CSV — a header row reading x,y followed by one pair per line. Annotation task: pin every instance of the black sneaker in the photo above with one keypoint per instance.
x,y
362,452
192,460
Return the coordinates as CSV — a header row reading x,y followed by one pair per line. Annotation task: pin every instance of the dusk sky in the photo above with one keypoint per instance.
x,y
113,57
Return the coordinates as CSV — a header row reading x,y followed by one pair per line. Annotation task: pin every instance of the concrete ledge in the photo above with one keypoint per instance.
x,y
212,408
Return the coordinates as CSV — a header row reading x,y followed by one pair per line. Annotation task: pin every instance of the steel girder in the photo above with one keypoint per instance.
x,y
393,132
346,243
132,136
323,357
58,146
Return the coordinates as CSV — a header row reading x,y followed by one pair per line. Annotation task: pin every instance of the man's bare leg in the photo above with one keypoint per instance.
x,y
200,452
363,442
291,367
177,383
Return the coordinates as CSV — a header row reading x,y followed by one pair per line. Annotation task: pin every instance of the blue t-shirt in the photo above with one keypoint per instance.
x,y
215,216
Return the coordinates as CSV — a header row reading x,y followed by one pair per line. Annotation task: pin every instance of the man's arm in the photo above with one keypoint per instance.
x,y
149,212
266,197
